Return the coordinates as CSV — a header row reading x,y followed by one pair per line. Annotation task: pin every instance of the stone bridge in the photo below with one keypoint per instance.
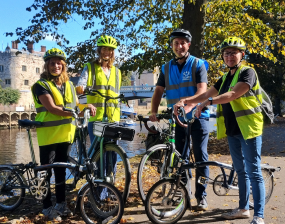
x,y
10,118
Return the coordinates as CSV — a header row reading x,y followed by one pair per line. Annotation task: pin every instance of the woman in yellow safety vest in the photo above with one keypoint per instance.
x,y
51,93
240,119
101,75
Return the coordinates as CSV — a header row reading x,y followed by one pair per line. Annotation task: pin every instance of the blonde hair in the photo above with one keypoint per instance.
x,y
99,60
57,79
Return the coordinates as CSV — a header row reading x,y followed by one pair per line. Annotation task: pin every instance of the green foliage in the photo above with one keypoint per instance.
x,y
9,96
126,78
146,25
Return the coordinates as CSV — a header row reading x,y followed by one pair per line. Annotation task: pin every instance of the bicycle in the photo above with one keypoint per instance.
x,y
100,149
154,164
221,189
169,198
17,179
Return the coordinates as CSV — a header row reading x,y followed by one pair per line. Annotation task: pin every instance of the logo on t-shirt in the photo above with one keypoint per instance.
x,y
187,76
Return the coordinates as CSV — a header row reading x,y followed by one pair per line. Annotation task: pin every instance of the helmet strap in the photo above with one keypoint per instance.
x,y
176,59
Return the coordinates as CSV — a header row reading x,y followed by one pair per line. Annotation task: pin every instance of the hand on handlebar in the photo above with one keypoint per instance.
x,y
177,107
153,117
92,110
200,108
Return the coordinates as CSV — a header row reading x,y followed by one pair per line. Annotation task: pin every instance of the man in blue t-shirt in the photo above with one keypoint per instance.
x,y
184,76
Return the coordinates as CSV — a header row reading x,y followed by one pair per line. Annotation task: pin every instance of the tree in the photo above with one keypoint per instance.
x,y
126,78
261,24
146,25
137,24
9,96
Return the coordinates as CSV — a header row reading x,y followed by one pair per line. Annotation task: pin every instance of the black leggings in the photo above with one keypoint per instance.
x,y
50,154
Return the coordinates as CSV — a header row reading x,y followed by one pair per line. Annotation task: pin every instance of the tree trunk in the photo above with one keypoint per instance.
x,y
194,21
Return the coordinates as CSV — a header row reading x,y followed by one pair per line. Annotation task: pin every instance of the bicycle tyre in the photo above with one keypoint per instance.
x,y
152,176
95,210
160,203
123,170
12,190
269,185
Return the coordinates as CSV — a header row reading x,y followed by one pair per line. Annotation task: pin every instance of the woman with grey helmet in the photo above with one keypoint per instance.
x,y
240,119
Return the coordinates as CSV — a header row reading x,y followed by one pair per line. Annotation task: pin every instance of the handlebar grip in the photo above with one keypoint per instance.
x,y
179,122
67,109
145,120
150,130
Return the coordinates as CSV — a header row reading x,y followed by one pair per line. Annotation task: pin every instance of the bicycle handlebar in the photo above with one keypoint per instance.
x,y
164,115
75,115
182,113
89,91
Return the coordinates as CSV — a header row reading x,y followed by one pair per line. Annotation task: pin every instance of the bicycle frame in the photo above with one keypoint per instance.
x,y
98,142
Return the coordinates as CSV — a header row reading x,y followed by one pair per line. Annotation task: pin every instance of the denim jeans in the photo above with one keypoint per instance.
x,y
107,156
200,136
246,156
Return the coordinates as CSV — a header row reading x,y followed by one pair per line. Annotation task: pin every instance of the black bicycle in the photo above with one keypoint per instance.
x,y
220,188
18,179
104,147
168,199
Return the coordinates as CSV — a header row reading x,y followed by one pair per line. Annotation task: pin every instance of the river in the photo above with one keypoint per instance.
x,y
14,146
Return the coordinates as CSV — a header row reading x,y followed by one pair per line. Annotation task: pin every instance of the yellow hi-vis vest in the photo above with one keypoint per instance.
x,y
97,80
247,110
55,129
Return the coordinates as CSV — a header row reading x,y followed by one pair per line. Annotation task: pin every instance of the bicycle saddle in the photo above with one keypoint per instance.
x,y
26,123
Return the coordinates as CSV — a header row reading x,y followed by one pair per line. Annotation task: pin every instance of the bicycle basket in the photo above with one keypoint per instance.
x,y
113,131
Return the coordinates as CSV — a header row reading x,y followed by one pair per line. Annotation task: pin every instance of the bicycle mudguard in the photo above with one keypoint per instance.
x,y
270,168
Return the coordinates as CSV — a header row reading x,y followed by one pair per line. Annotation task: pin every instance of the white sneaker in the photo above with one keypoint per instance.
x,y
237,214
51,214
257,220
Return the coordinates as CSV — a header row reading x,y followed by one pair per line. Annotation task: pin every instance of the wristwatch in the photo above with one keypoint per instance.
x,y
211,100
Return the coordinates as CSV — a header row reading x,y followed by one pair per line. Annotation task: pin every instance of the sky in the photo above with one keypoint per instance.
x,y
13,14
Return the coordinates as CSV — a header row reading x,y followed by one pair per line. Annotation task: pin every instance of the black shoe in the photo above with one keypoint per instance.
x,y
202,204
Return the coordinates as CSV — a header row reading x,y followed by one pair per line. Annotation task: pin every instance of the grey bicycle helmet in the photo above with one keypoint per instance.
x,y
180,33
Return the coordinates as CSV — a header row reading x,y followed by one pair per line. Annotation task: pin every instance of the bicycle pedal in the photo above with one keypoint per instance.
x,y
203,180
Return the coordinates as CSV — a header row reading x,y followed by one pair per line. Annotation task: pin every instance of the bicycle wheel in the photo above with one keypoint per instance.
x,y
96,210
269,185
218,184
76,153
152,169
122,178
12,191
165,203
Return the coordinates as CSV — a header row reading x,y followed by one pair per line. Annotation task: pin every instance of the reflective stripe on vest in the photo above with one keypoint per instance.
x,y
97,80
55,129
246,108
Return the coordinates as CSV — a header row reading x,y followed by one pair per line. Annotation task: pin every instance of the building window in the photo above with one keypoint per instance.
x,y
1,68
37,70
8,81
24,68
26,82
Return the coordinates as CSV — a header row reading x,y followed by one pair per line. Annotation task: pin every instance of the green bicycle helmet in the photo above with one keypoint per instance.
x,y
54,52
107,41
234,42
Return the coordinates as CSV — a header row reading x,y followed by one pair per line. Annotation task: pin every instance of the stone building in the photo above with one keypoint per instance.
x,y
20,69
